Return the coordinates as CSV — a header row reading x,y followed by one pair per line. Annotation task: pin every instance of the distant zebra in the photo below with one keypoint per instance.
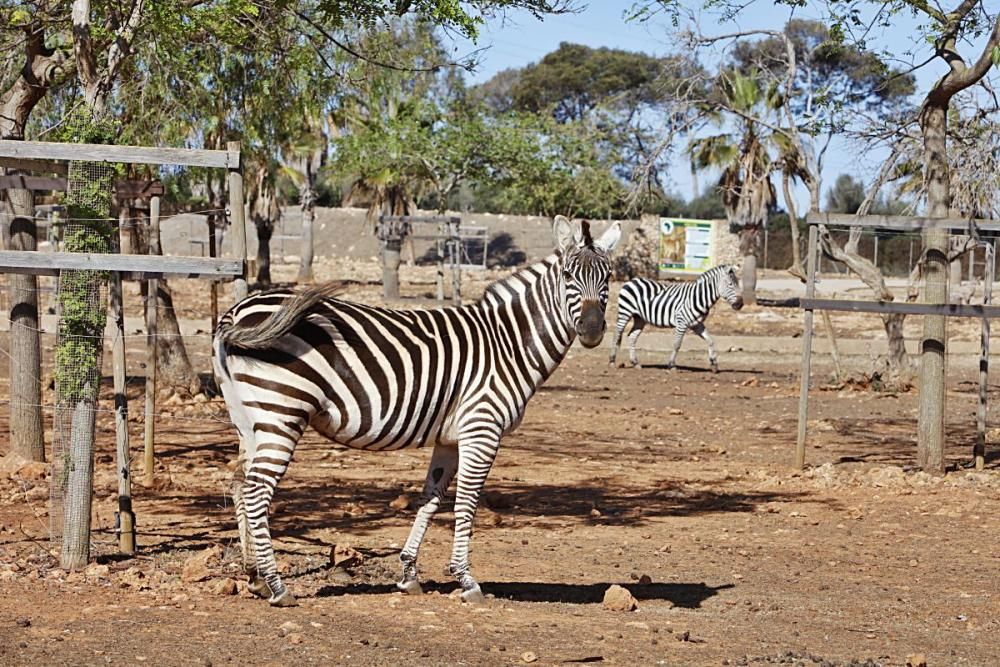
x,y
382,379
682,306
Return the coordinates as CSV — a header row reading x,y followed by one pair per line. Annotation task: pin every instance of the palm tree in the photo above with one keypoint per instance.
x,y
744,159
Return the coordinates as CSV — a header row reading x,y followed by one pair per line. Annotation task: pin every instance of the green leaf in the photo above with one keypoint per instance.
x,y
995,54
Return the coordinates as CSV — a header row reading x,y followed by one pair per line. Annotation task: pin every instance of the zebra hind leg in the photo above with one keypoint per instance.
x,y
476,452
269,464
255,583
444,463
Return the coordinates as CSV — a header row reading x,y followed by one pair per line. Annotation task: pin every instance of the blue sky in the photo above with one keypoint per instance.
x,y
521,39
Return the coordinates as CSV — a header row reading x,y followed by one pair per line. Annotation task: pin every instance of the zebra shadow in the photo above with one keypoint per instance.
x,y
685,595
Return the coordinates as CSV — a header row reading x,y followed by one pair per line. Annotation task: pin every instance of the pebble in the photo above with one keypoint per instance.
x,y
289,627
528,656
617,598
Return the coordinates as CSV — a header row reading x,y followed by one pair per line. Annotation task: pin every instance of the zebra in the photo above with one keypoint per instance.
x,y
457,378
682,306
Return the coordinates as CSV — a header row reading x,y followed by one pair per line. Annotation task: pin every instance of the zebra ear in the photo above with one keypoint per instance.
x,y
565,233
609,239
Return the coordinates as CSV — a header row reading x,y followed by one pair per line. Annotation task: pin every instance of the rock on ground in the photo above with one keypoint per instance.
x,y
617,598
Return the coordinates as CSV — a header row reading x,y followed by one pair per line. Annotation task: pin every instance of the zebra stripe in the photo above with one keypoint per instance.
x,y
682,306
382,379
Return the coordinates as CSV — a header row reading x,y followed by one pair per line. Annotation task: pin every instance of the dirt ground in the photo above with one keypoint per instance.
x,y
676,485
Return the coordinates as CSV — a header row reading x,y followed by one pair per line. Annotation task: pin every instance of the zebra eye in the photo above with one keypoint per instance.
x,y
568,276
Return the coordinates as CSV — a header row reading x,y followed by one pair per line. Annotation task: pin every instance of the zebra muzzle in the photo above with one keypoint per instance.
x,y
591,326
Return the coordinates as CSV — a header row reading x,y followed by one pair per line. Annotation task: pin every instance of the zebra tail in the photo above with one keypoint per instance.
x,y
262,335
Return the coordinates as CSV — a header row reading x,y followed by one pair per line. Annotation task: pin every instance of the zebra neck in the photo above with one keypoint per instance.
x,y
710,290
529,312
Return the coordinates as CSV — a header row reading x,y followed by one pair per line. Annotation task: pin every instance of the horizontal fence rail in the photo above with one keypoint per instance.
x,y
883,307
898,222
135,267
43,150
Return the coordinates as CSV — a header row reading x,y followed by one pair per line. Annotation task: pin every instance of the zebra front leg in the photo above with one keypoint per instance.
x,y
615,342
679,332
713,358
617,338
444,463
633,337
476,453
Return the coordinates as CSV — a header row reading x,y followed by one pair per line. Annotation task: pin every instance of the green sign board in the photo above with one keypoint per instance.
x,y
686,246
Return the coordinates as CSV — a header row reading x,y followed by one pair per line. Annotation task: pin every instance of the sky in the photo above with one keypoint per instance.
x,y
521,39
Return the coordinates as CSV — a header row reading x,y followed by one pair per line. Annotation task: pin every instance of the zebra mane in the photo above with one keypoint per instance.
x,y
588,240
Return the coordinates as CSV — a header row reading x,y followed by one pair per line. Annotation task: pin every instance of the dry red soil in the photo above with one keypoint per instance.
x,y
675,484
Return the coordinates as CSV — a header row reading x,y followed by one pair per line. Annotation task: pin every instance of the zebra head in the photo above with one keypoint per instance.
x,y
728,286
584,270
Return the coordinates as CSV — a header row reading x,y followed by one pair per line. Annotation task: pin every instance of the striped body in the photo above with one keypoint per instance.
x,y
682,306
382,379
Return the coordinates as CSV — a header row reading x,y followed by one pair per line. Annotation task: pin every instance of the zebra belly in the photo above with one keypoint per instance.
x,y
404,432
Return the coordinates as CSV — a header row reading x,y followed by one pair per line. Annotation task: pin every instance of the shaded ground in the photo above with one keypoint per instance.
x,y
615,475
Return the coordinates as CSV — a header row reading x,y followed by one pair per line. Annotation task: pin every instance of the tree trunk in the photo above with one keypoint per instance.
x,y
265,228
174,367
308,220
930,425
26,440
793,222
749,241
38,73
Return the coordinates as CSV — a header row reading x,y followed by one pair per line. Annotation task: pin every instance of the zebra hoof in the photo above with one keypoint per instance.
x,y
411,587
474,596
259,587
286,599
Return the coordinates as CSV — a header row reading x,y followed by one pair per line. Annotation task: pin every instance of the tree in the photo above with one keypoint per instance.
x,y
967,26
744,159
573,80
627,95
846,195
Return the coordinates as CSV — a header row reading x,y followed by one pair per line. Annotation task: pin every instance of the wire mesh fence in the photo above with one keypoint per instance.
x,y
81,304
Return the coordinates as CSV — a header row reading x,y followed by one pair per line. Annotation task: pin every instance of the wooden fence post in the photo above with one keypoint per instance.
x,y
237,213
126,519
152,300
800,441
979,450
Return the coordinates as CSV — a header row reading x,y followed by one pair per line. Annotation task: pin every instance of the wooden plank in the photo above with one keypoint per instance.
x,y
41,150
42,166
140,266
946,309
420,218
138,189
21,182
899,222
123,189
807,334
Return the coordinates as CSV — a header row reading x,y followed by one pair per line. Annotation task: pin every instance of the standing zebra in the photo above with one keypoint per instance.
x,y
383,379
682,306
